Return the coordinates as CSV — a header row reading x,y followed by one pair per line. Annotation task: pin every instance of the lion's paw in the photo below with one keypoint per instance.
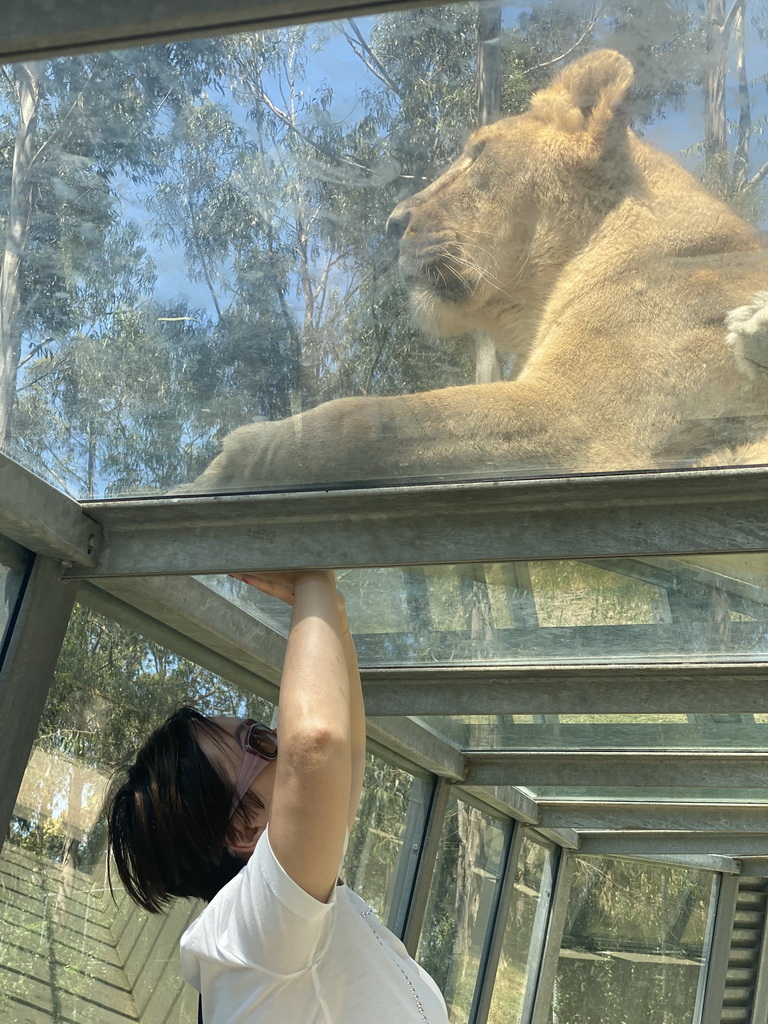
x,y
748,334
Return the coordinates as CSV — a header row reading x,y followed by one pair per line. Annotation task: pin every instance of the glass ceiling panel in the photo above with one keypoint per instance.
x,y
194,241
708,609
607,611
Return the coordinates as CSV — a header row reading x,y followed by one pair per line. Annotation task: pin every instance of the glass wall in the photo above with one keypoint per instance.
x,y
461,901
383,849
67,951
197,242
635,944
524,933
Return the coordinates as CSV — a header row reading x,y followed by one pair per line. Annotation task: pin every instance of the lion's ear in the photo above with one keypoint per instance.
x,y
586,96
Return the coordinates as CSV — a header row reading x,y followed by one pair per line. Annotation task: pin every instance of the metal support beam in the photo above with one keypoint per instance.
x,y
508,800
694,861
679,687
38,29
695,511
489,967
651,769
755,866
44,520
411,740
421,883
760,1002
720,950
546,980
27,671
729,844
653,816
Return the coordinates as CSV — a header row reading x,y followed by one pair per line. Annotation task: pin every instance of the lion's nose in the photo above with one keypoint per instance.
x,y
398,222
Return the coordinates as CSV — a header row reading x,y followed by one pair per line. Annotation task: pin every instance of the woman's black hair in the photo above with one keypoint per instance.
x,y
169,818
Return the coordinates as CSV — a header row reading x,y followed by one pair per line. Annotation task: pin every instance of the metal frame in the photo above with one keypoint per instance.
x,y
489,964
654,816
542,1000
604,769
720,949
577,517
674,687
417,907
39,29
28,663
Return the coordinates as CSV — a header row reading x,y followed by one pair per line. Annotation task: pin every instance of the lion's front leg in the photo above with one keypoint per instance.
x,y
472,431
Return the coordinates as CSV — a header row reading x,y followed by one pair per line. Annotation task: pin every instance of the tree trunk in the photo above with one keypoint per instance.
x,y
487,366
741,158
714,82
16,235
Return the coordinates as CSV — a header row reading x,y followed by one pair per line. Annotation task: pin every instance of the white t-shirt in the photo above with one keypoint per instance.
x,y
264,950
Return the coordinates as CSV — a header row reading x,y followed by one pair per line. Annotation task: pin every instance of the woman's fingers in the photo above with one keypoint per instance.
x,y
279,585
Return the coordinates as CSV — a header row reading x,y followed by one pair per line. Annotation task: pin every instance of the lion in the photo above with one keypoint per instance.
x,y
599,261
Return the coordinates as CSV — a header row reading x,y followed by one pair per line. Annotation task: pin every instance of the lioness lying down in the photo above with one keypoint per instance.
x,y
604,265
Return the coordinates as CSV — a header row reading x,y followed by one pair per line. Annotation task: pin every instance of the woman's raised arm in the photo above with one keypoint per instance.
x,y
319,729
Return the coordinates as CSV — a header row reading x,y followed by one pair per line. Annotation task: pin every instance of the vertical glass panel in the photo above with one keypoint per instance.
x,y
383,846
69,954
461,899
634,948
524,933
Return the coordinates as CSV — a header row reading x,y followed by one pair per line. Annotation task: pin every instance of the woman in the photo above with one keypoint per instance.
x,y
212,810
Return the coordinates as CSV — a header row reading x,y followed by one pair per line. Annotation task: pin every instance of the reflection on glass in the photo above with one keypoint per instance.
x,y
524,934
380,856
634,947
711,608
67,951
608,609
460,904
197,244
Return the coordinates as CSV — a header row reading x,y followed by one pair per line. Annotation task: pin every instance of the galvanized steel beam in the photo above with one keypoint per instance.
x,y
648,844
42,519
38,29
644,769
578,517
719,952
684,687
696,861
555,927
604,816
411,740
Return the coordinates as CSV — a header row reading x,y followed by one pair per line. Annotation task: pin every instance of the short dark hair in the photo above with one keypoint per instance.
x,y
169,817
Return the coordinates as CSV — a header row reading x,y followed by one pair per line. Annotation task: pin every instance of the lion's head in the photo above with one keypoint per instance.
x,y
480,248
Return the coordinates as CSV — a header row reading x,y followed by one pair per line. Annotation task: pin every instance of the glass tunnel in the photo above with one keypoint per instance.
x,y
468,302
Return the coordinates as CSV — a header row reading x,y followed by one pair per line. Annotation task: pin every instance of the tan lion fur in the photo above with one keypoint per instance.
x,y
604,265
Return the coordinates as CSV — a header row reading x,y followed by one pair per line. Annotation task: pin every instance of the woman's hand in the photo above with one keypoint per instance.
x,y
282,585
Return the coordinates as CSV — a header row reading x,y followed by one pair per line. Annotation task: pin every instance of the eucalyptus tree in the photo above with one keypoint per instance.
x,y
72,131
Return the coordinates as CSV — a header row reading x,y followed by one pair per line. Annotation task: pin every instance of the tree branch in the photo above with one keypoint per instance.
x,y
737,7
33,352
579,41
757,178
290,123
369,58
